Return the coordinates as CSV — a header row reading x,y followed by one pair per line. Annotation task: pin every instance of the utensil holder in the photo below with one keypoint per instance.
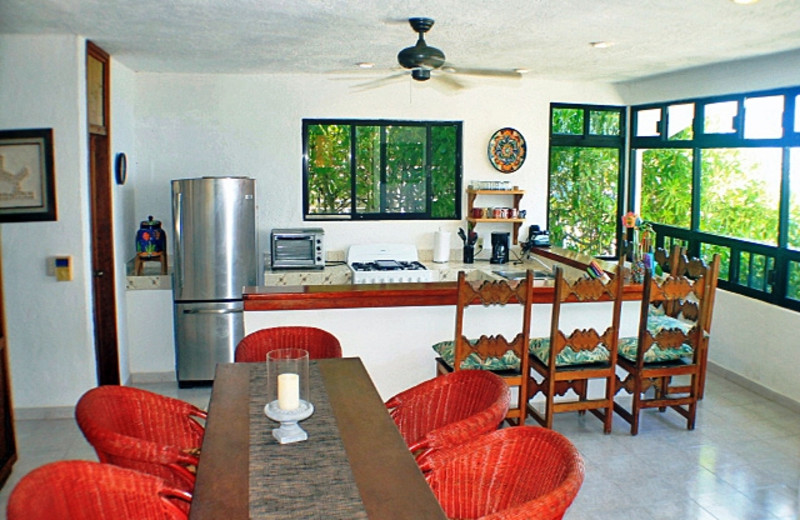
x,y
469,254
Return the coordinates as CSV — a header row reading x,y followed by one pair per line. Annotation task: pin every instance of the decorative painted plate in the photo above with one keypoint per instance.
x,y
507,150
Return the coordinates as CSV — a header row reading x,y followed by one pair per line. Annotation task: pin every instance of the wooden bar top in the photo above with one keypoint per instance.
x,y
375,295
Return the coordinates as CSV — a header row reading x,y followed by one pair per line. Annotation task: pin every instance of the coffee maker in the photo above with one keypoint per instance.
x,y
500,244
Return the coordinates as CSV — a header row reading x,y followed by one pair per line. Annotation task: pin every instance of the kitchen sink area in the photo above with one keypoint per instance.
x,y
519,275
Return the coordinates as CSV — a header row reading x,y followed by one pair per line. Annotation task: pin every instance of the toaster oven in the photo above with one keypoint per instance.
x,y
297,248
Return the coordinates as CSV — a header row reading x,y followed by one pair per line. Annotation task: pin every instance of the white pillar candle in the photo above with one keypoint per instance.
x,y
288,391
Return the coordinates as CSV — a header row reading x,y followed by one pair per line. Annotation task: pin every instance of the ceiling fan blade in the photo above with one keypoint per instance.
x,y
500,73
367,85
448,81
395,21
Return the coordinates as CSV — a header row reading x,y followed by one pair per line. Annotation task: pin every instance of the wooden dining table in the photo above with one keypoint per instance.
x,y
355,464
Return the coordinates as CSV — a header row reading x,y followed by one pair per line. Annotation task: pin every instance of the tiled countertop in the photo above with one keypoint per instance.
x,y
340,274
337,272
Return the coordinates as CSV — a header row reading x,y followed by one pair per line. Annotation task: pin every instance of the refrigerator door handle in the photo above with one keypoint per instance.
x,y
213,311
177,210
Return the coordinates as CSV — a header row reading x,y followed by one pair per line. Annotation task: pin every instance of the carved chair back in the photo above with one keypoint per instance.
x,y
673,346
582,339
568,359
490,294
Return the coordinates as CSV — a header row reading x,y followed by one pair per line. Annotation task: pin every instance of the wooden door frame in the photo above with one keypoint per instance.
x,y
103,277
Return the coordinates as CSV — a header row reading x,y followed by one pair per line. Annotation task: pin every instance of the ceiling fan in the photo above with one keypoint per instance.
x,y
422,60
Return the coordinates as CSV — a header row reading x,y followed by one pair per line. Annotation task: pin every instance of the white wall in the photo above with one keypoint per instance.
x,y
195,125
123,196
49,323
749,338
775,71
757,341
395,343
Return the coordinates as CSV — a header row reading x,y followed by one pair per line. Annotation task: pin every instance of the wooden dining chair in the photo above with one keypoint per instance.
x,y
570,359
144,431
670,343
678,263
515,473
508,359
319,343
86,490
449,410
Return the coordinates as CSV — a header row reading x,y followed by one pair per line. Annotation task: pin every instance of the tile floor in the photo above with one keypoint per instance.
x,y
742,462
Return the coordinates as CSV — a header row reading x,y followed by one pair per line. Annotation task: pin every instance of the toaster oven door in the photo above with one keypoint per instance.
x,y
293,251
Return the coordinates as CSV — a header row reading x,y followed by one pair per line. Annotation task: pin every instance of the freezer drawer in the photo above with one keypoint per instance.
x,y
205,334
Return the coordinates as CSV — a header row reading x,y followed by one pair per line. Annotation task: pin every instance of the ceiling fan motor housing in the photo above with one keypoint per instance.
x,y
421,74
421,57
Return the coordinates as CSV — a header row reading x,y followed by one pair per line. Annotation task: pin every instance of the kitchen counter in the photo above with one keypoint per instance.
x,y
331,289
337,272
391,327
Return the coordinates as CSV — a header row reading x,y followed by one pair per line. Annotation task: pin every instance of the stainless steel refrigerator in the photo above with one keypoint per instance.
x,y
214,258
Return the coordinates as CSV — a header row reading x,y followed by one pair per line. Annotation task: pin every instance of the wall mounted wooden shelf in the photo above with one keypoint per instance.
x,y
516,222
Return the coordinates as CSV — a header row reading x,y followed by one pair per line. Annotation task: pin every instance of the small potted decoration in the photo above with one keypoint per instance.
x,y
642,250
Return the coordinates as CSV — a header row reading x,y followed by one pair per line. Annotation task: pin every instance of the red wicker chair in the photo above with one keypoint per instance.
x,y
516,473
319,343
449,410
85,490
144,431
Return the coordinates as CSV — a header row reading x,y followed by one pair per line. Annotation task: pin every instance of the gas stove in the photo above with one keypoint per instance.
x,y
386,263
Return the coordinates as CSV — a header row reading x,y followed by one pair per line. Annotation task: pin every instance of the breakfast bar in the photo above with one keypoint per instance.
x,y
392,327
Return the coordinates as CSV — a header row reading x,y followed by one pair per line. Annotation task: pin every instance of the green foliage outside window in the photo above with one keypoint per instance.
x,y
666,194
328,175
583,198
738,198
604,122
793,291
734,203
738,189
567,121
445,172
399,170
584,178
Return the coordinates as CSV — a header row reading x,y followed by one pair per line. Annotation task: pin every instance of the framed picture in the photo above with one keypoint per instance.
x,y
27,182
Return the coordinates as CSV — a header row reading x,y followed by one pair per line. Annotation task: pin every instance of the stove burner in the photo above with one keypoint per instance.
x,y
388,265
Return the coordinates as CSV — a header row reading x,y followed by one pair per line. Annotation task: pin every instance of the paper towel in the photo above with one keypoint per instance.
x,y
441,247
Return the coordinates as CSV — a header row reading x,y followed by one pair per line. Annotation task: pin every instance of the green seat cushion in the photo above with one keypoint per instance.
x,y
446,350
540,347
655,354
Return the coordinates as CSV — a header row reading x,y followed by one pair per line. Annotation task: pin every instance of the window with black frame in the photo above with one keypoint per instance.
x,y
585,182
381,170
722,175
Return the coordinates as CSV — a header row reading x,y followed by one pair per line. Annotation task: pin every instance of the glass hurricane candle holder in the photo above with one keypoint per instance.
x,y
287,393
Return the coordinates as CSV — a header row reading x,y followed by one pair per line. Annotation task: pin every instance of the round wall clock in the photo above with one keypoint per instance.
x,y
507,150
121,168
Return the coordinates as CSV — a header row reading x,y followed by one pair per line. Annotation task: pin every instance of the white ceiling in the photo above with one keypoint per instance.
x,y
549,37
